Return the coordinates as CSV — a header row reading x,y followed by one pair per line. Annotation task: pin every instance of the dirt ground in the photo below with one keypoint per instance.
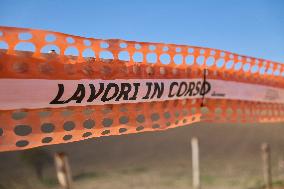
x,y
230,158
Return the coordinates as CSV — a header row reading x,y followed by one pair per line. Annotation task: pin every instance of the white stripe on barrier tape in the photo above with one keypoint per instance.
x,y
40,93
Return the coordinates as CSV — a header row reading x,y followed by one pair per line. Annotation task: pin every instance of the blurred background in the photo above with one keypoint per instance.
x,y
230,155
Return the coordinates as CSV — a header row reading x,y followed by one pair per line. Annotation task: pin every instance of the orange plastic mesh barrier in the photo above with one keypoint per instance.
x,y
58,88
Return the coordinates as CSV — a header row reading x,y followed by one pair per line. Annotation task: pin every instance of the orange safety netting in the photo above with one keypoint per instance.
x,y
37,55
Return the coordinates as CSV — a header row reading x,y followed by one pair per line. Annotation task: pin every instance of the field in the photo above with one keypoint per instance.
x,y
230,158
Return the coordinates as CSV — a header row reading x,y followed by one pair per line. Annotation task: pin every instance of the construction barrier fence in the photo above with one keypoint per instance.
x,y
58,88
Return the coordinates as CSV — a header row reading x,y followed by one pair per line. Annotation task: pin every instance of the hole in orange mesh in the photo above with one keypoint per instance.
x,y
46,140
67,112
276,73
218,111
88,111
106,55
155,126
137,57
105,132
254,69
45,113
136,69
89,124
137,46
52,49
107,122
262,70
106,70
168,124
246,67
87,42
210,61
162,70
200,60
139,128
87,134
88,53
263,112
20,67
229,111
104,45
190,50
19,115
22,130
50,38
25,46
22,143
25,36
149,70
123,108
175,71
123,45
220,62
229,64
69,125
269,71
106,110
122,130
193,110
155,117
167,115
123,120
238,66
123,55
67,137
178,59
165,59
45,68
239,111
140,118
47,127
212,52
204,110
165,48
185,112
152,47
1,131
189,59
71,51
70,40
177,114
3,45
1,33
88,70
222,54
178,49
151,57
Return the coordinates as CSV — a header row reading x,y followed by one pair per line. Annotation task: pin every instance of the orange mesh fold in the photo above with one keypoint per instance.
x,y
33,63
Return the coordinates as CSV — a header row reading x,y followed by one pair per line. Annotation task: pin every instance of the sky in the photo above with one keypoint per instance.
x,y
249,27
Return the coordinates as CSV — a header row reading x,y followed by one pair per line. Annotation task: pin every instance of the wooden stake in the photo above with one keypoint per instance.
x,y
265,153
195,163
63,170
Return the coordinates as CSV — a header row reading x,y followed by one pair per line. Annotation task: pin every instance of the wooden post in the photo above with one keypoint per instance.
x,y
265,153
63,170
195,163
